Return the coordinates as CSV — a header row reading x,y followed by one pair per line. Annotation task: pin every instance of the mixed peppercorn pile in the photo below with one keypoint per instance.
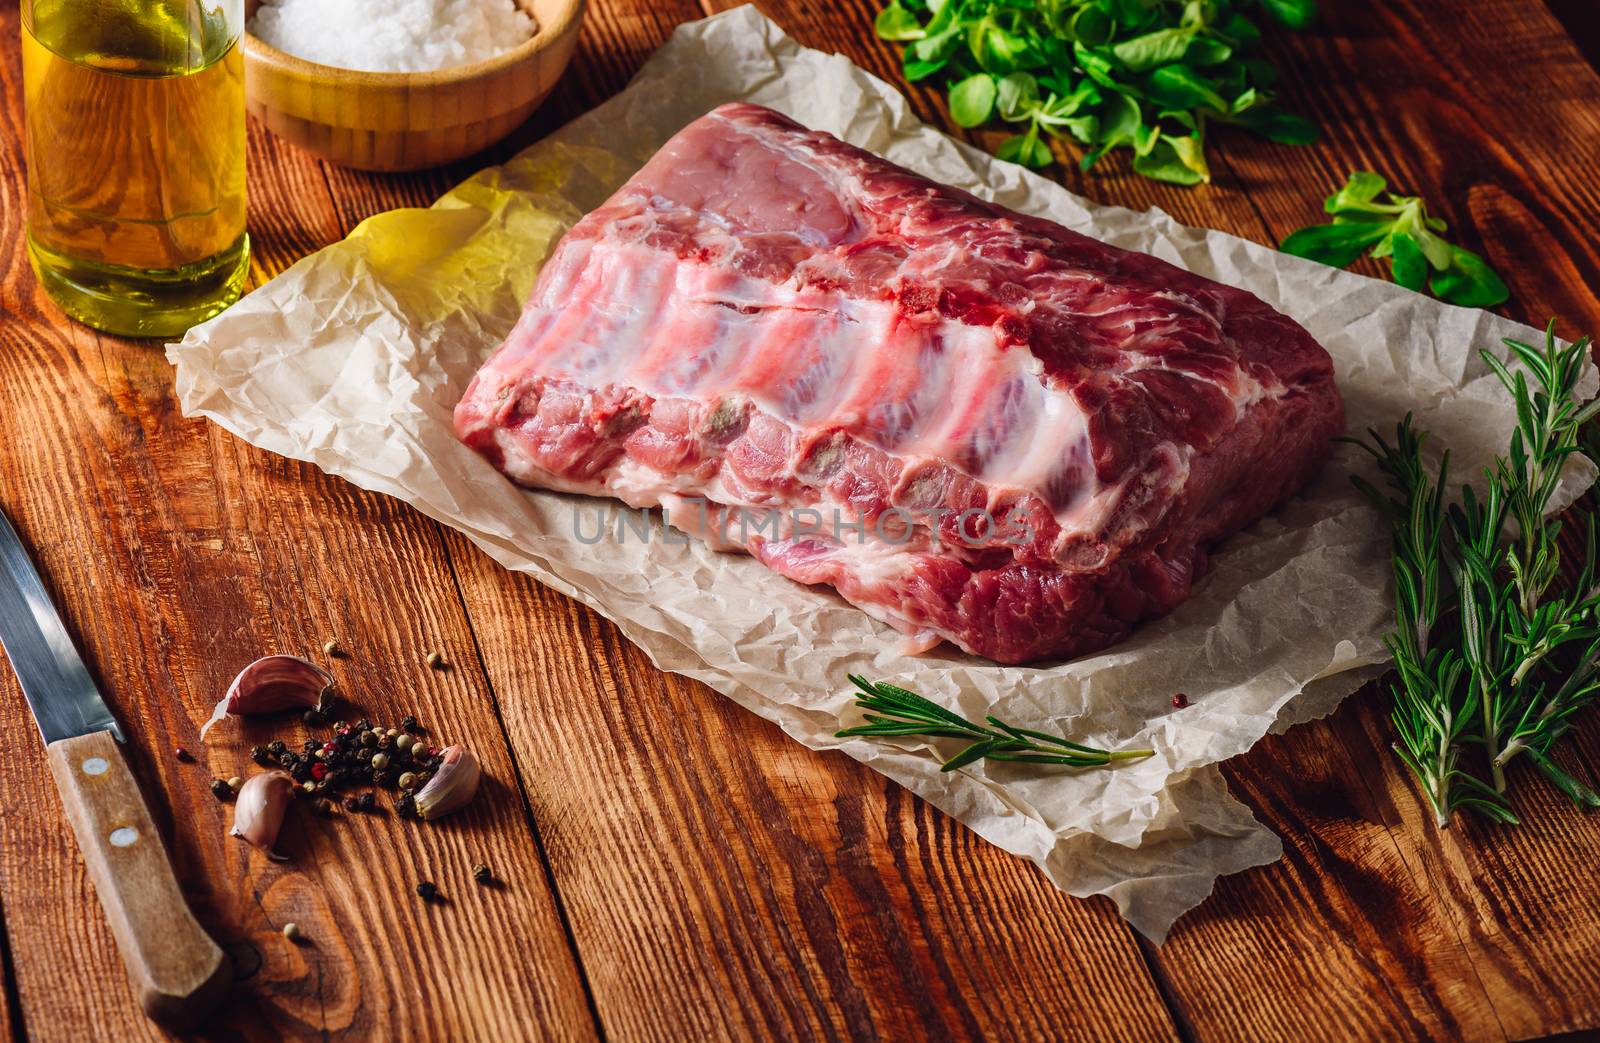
x,y
400,760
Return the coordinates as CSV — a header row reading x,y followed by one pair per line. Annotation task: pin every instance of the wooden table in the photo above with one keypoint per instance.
x,y
673,868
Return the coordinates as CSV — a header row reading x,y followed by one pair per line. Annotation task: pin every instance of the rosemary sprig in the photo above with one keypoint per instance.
x,y
1491,649
1434,703
893,711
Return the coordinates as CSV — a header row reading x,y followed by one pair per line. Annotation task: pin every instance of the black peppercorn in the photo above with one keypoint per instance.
x,y
220,789
261,755
408,723
277,747
352,804
366,801
313,718
427,891
406,805
481,874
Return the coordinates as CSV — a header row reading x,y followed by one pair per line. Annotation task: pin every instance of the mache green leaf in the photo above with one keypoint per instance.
x,y
1334,245
1469,282
972,100
896,23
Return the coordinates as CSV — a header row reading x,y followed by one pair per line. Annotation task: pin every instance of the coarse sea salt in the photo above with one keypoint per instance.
x,y
392,35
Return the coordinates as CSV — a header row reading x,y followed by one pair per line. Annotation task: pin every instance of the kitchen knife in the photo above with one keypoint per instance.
x,y
177,970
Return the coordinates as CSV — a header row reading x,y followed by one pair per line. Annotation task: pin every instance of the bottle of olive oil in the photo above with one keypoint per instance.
x,y
136,159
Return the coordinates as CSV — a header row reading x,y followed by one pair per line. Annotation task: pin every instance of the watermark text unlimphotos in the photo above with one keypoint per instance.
x,y
897,526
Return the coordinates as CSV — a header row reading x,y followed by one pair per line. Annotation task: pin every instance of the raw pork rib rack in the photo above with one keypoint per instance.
x,y
781,339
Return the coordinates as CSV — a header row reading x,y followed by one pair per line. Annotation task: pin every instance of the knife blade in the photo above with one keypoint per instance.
x,y
176,969
62,695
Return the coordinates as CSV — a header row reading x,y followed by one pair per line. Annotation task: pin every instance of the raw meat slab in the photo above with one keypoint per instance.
x,y
975,425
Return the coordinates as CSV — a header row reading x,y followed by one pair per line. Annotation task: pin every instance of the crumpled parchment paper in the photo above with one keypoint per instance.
x,y
354,358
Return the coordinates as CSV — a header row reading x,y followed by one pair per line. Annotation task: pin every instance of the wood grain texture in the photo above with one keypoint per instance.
x,y
178,554
1475,932
674,867
176,970
805,897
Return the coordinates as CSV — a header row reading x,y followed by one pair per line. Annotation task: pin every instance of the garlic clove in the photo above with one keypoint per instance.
x,y
274,682
258,812
453,784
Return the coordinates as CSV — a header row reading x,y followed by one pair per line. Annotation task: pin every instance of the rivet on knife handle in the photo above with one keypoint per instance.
x,y
178,972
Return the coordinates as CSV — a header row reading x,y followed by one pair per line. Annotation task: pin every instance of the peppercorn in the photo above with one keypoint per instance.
x,y
369,738
182,754
404,743
261,755
291,931
409,723
435,660
406,806
366,801
236,784
1179,701
322,807
427,891
363,725
408,780
331,649
380,761
313,718
308,786
319,771
220,789
277,747
481,874
352,804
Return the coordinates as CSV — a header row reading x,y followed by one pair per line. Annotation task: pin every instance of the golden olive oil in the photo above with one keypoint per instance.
x,y
136,159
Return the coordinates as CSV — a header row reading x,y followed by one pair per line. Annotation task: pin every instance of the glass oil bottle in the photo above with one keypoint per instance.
x,y
136,159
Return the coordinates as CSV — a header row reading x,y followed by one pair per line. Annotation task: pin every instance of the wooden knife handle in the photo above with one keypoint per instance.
x,y
178,971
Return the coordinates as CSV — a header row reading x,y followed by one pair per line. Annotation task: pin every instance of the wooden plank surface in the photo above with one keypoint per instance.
x,y
828,901
179,554
674,867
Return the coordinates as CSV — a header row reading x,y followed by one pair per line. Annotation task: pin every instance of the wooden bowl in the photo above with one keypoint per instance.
x,y
409,120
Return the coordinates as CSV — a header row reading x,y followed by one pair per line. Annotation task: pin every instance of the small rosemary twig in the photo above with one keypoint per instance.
x,y
893,711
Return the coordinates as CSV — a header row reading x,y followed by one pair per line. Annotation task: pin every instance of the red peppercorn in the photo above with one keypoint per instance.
x,y
319,771
329,747
1179,701
182,754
